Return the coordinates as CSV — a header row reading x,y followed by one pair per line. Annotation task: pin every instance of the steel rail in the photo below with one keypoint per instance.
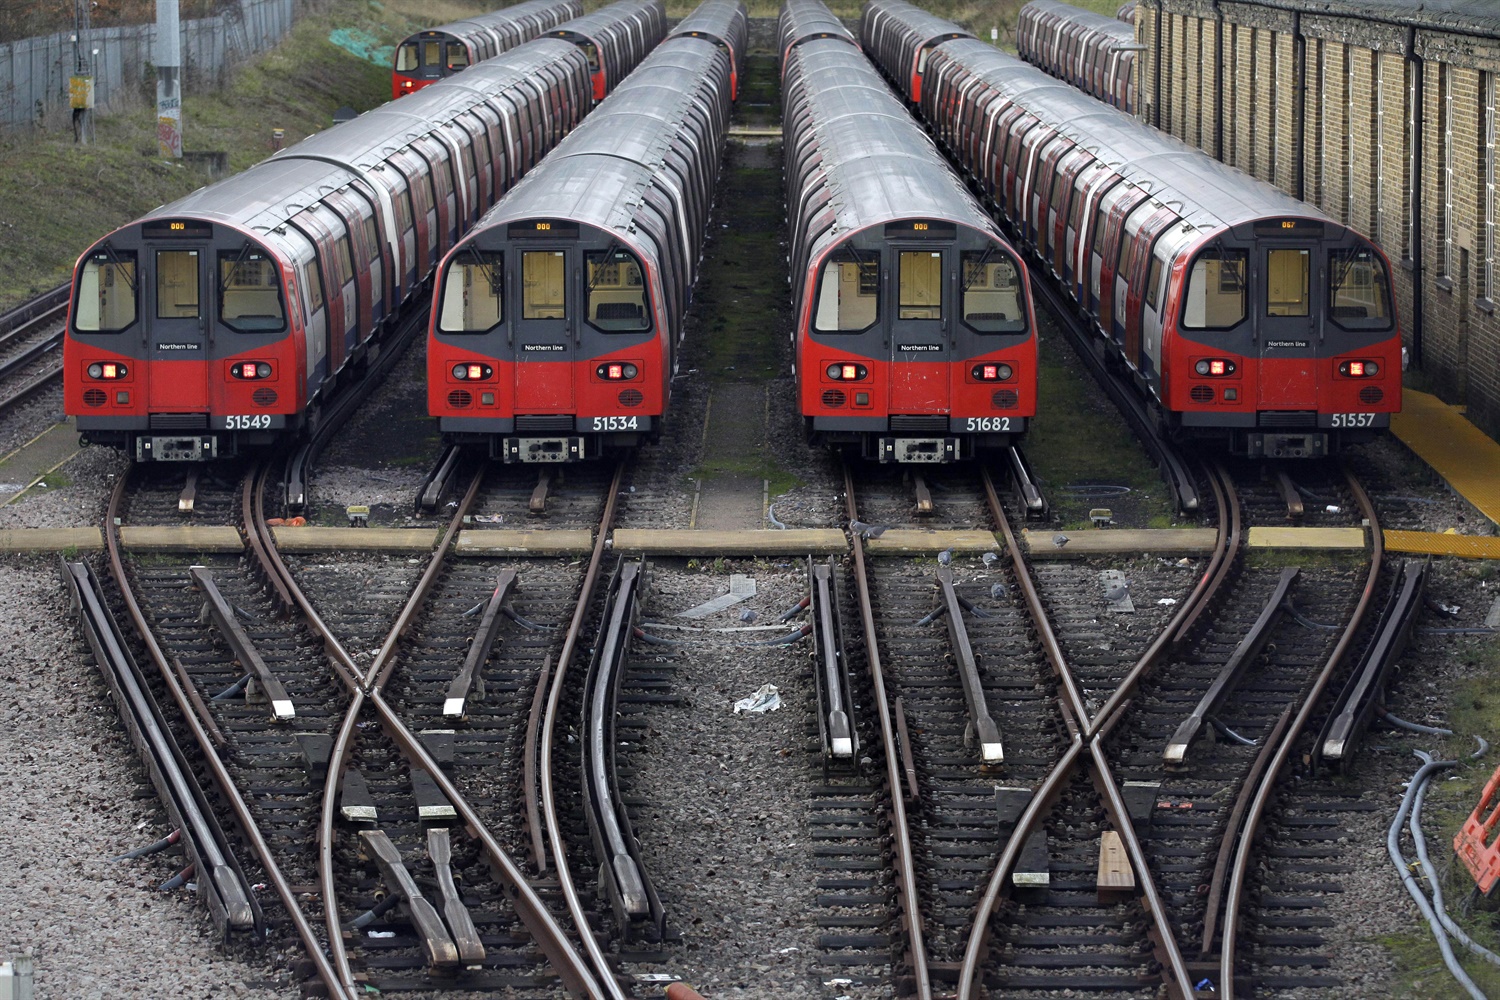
x,y
1277,750
1073,709
222,778
549,727
905,853
532,911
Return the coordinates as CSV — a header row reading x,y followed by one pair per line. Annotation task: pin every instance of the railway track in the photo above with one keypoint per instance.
x,y
31,347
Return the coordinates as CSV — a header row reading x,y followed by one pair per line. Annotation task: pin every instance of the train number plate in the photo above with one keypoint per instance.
x,y
247,422
631,423
992,424
1353,420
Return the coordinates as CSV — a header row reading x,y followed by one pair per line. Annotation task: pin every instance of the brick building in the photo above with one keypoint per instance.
x,y
1380,113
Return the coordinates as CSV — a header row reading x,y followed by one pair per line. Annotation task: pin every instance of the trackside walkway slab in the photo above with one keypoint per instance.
x,y
1466,457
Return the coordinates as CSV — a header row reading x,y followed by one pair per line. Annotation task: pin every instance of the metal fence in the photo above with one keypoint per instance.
x,y
34,72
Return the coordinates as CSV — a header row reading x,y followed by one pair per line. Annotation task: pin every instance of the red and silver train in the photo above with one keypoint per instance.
x,y
614,39
226,319
726,23
555,323
428,56
1094,53
1246,316
915,339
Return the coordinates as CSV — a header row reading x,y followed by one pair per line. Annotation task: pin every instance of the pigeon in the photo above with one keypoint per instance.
x,y
1059,540
864,530
748,615
998,591
1116,592
945,557
989,560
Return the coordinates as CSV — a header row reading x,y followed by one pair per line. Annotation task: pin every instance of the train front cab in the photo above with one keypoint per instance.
x,y
1286,339
917,345
427,57
547,346
180,346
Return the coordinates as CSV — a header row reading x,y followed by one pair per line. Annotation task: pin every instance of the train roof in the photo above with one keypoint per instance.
x,y
465,27
597,174
268,193
877,164
590,25
801,20
1118,32
727,20
926,24
1208,194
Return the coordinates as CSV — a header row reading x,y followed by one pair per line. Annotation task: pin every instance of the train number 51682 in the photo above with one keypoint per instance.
x,y
988,424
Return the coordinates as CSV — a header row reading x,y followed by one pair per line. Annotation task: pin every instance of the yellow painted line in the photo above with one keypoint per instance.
x,y
917,542
1114,541
1444,544
1466,457
684,542
523,542
1306,538
51,539
310,538
182,538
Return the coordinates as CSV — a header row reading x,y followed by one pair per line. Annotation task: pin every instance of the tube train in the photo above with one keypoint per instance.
x,y
1094,53
226,319
1245,316
429,56
555,323
725,23
915,338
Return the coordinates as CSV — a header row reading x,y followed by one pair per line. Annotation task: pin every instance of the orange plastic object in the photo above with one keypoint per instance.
x,y
1476,844
682,991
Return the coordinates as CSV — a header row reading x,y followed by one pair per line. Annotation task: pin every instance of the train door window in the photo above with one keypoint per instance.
x,y
346,262
176,284
1153,284
616,292
992,301
314,286
432,53
473,292
1216,290
543,285
920,285
848,292
371,239
407,58
591,51
458,56
249,292
1358,293
1287,281
106,299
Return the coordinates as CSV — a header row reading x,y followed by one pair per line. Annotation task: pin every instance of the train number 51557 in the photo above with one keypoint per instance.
x,y
1353,420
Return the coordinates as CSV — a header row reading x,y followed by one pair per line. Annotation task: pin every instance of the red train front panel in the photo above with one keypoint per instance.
x,y
917,344
181,344
1284,335
546,344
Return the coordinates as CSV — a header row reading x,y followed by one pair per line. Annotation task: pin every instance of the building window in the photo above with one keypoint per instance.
x,y
1487,171
1445,157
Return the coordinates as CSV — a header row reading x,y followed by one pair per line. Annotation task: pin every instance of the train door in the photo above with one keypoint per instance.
x,y
177,334
545,327
1284,317
1139,257
918,303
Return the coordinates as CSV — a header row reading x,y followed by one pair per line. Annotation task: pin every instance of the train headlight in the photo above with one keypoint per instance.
x,y
470,372
843,371
617,371
107,370
991,372
1215,367
251,371
1359,369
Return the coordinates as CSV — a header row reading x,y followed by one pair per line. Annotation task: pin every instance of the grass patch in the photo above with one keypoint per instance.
x,y
1080,447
